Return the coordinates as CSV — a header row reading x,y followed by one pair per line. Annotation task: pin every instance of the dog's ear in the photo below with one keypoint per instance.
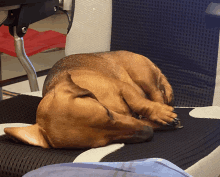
x,y
32,135
67,85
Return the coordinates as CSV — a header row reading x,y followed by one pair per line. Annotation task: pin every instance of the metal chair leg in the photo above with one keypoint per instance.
x,y
25,62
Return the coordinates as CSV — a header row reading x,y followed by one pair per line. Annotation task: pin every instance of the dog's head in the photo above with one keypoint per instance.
x,y
72,117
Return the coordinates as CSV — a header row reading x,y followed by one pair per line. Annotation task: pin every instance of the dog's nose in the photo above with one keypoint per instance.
x,y
144,135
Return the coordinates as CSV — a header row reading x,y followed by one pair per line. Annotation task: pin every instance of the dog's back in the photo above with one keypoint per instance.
x,y
98,62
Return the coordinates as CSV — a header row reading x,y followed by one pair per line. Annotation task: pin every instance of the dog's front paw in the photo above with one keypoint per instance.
x,y
161,114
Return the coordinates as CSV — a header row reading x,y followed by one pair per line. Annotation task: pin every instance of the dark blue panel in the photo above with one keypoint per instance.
x,y
173,34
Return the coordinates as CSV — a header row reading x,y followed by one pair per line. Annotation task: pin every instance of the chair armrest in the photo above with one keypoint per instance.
x,y
4,3
4,12
9,7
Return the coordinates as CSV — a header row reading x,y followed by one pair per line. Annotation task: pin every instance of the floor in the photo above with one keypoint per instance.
x,y
11,67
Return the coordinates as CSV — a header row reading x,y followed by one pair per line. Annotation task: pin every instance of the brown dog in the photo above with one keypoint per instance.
x,y
89,100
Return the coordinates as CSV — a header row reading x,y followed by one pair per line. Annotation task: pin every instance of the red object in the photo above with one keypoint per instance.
x,y
34,41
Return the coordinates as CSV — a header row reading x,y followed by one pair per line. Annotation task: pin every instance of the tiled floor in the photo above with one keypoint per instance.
x,y
11,67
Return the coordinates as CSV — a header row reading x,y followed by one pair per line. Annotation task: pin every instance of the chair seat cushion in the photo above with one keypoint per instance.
x,y
183,147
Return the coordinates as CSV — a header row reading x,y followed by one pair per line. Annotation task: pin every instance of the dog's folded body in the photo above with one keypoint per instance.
x,y
89,101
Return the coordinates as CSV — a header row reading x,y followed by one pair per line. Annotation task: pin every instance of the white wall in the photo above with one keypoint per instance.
x,y
91,28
